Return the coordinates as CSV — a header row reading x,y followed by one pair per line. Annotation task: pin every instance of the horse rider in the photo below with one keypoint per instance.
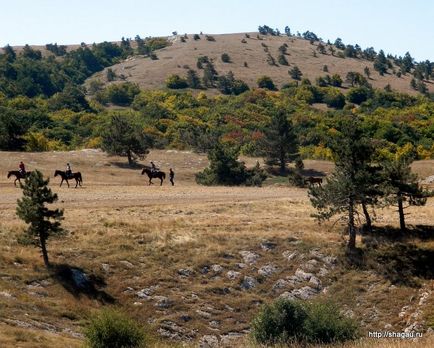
x,y
22,168
171,176
154,168
68,170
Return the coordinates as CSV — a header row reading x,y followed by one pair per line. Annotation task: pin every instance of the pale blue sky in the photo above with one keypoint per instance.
x,y
396,26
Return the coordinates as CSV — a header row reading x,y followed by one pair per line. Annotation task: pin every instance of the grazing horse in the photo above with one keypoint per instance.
x,y
312,180
18,176
65,177
158,174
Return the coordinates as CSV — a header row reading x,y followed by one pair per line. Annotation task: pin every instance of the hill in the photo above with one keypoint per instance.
x,y
182,54
176,258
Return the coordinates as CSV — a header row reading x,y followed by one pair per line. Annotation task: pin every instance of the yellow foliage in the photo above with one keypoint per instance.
x,y
36,142
94,143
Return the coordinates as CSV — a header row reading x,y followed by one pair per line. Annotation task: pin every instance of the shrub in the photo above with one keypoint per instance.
x,y
267,83
287,321
333,98
225,58
326,324
256,176
270,60
279,322
176,82
295,73
209,38
282,59
196,37
112,329
358,95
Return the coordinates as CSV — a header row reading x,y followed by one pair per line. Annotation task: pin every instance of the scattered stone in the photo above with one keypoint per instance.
x,y
423,298
316,283
185,317
80,279
128,290
217,269
185,272
241,265
233,275
105,267
302,275
289,255
349,313
6,294
311,265
146,293
248,283
138,304
280,284
203,314
388,326
323,272
267,270
287,295
204,270
229,339
126,264
267,245
249,257
209,341
162,302
214,324
304,293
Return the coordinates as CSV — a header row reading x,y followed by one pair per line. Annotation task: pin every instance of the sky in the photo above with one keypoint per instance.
x,y
397,26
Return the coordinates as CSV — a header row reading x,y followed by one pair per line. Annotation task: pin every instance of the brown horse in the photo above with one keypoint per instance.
x,y
18,175
312,181
76,176
151,175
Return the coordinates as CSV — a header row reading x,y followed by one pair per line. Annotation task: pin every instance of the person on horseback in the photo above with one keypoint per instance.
x,y
22,168
153,167
68,170
171,176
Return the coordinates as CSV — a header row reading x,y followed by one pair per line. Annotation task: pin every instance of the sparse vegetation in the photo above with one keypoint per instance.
x,y
225,58
266,82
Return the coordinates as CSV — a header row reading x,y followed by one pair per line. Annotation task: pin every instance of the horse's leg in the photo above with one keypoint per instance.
x,y
15,182
150,181
67,182
76,183
161,179
61,182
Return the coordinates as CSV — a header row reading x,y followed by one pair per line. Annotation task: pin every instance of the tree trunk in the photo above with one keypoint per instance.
x,y
351,226
130,158
401,212
44,252
282,162
367,217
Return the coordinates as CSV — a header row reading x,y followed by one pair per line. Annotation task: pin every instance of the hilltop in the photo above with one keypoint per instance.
x,y
253,49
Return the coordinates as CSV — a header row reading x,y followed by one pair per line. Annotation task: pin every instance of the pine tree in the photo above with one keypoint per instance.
x,y
367,72
32,210
193,80
295,73
279,144
380,63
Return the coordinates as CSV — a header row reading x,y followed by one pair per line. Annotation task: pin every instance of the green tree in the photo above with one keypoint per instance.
x,y
209,75
402,185
226,58
279,144
123,137
193,80
266,82
176,82
380,63
367,72
347,186
295,73
224,167
281,59
32,209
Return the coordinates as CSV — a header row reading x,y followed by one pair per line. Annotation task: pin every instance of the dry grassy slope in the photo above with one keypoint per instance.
x,y
151,74
135,237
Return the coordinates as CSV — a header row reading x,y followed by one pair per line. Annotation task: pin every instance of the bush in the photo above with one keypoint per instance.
x,y
196,37
279,322
256,176
333,98
267,83
111,329
282,59
287,321
326,324
209,38
176,82
358,95
225,58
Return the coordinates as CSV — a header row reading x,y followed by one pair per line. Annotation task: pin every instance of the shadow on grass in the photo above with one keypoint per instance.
x,y
77,282
395,255
126,165
304,172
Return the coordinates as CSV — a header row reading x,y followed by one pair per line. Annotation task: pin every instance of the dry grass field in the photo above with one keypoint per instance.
x,y
179,259
177,58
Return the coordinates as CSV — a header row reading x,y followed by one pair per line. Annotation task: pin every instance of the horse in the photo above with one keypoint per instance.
x,y
18,175
312,180
65,177
158,174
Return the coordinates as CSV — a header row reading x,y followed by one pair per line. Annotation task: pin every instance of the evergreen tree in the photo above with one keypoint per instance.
x,y
193,80
267,83
279,144
281,59
349,184
295,73
123,137
367,72
380,63
287,31
32,209
407,63
209,75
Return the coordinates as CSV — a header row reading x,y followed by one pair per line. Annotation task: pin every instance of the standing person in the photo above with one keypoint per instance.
x,y
171,176
22,168
68,170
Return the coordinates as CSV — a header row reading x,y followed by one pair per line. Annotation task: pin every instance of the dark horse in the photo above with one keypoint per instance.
x,y
312,180
18,176
76,176
152,175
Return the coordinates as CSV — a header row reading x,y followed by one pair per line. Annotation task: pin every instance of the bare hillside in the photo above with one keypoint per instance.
x,y
180,56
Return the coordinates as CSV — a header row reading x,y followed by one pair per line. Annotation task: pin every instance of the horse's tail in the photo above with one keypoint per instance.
x,y
80,177
164,175
9,174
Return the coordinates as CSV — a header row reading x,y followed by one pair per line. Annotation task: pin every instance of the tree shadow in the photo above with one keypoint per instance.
x,y
289,171
313,172
126,165
77,282
381,234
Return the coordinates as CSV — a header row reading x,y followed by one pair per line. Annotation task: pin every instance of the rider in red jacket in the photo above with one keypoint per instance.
x,y
22,168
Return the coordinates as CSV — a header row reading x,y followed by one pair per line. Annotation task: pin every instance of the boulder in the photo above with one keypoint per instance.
x,y
249,257
249,283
